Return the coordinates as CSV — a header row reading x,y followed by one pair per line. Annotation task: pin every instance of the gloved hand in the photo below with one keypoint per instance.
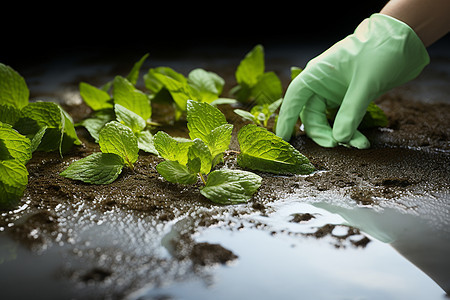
x,y
382,53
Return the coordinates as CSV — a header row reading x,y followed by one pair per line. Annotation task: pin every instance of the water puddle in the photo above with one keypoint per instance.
x,y
291,260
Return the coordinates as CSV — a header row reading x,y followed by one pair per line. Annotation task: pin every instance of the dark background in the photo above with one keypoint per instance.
x,y
32,33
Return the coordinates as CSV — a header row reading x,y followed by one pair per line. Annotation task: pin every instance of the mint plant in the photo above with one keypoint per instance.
x,y
260,114
26,127
125,104
253,82
119,148
186,160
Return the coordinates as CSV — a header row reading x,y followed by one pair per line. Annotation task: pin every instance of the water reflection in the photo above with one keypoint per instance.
x,y
423,239
283,255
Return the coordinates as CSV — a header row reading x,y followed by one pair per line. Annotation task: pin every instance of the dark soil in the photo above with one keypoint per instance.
x,y
410,156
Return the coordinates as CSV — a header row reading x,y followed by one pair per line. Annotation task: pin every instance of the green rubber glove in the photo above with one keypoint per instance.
x,y
382,53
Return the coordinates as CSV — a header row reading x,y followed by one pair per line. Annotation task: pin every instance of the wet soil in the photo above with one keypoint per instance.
x,y
409,157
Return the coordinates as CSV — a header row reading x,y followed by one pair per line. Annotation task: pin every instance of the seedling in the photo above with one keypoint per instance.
x,y
260,114
188,160
253,82
119,147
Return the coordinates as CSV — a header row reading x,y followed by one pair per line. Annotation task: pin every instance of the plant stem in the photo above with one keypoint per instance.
x,y
202,178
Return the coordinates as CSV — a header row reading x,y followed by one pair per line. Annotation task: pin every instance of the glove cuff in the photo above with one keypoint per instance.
x,y
413,47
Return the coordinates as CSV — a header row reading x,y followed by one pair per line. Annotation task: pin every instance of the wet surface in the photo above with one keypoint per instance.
x,y
370,224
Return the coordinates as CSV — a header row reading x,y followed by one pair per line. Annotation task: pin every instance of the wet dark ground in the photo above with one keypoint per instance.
x,y
144,238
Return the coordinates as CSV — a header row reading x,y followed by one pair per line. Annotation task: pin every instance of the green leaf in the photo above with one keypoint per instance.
x,y
202,119
13,181
199,150
295,71
146,143
13,88
125,94
154,84
94,97
264,151
251,67
9,114
37,138
170,148
95,124
268,88
39,114
218,140
60,132
119,139
175,172
97,168
246,115
208,84
374,117
178,88
129,118
18,146
227,186
133,76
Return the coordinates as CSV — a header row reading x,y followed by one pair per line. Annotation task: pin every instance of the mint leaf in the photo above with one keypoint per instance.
x,y
97,168
133,76
18,146
129,118
251,67
178,88
208,84
231,186
295,71
170,148
175,172
9,114
374,117
13,88
202,119
145,142
13,181
37,138
199,150
246,115
264,151
268,88
60,132
95,124
94,97
125,94
154,84
218,140
118,139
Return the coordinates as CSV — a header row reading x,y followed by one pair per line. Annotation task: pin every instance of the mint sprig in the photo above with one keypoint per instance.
x,y
188,160
119,147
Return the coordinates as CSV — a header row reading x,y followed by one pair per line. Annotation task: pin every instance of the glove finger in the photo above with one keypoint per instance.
x,y
316,124
359,141
351,111
294,100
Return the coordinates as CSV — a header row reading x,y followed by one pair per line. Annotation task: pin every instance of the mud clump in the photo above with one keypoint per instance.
x,y
205,254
